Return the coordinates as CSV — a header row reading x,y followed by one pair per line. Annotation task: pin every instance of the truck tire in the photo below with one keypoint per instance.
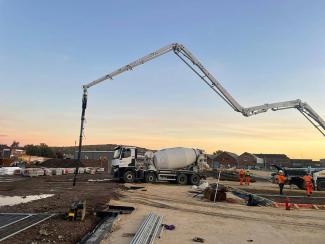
x,y
150,177
298,182
128,176
321,184
182,179
194,179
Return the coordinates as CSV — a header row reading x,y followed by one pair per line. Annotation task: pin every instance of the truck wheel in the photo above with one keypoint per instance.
x,y
128,177
182,179
320,185
298,182
150,177
194,179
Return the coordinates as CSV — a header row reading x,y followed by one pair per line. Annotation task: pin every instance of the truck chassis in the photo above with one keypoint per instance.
x,y
131,174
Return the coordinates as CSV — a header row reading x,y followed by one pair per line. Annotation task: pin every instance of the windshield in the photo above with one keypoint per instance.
x,y
117,153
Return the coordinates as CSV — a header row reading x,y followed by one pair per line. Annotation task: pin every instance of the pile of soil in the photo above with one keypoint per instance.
x,y
60,163
70,163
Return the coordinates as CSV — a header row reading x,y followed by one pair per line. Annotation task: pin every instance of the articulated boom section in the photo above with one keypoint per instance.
x,y
302,107
193,63
313,117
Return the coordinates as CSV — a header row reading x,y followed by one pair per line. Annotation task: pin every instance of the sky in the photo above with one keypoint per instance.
x,y
260,51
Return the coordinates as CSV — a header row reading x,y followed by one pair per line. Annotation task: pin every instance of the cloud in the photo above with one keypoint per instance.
x,y
3,135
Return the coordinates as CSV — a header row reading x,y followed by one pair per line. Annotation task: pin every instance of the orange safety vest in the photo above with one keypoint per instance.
x,y
307,178
241,172
281,179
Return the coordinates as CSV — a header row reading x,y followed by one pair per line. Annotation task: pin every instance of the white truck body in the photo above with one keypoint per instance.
x,y
179,164
175,158
319,180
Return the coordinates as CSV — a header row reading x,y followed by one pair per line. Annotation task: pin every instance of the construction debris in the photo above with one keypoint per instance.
x,y
169,227
210,193
198,239
148,230
77,211
10,171
14,223
252,198
203,184
104,227
33,172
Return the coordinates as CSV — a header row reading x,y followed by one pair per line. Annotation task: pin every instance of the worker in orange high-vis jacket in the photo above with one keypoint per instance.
x,y
281,180
308,183
241,176
247,177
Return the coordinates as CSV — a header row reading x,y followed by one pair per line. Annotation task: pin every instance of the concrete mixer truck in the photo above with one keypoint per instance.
x,y
178,164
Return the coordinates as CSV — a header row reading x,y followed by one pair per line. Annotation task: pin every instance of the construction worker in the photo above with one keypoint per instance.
x,y
308,183
281,180
247,177
241,176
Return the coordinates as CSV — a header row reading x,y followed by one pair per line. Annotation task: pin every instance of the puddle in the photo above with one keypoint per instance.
x,y
10,201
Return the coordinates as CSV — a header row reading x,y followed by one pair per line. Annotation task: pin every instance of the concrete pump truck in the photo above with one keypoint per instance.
x,y
193,63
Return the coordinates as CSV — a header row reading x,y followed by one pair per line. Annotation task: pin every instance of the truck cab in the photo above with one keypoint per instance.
x,y
125,164
124,157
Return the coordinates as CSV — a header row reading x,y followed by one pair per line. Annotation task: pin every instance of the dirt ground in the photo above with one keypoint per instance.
x,y
222,222
58,230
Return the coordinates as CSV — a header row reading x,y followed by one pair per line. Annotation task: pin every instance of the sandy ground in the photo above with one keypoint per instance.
x,y
216,223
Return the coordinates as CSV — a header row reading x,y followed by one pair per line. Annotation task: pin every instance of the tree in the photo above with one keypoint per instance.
x,y
45,151
217,152
41,150
14,145
32,150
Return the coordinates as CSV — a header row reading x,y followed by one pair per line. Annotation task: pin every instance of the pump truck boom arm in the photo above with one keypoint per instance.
x,y
184,55
193,63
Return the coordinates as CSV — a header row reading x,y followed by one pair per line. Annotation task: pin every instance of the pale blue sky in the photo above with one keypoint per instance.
x,y
260,51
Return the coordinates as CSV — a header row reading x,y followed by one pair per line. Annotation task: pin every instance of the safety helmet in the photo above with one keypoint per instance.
x,y
281,171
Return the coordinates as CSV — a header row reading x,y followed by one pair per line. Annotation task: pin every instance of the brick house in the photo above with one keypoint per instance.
x,y
249,160
278,159
226,160
5,151
322,162
304,163
210,160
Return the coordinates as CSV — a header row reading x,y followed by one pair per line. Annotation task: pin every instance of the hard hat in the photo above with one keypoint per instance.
x,y
280,171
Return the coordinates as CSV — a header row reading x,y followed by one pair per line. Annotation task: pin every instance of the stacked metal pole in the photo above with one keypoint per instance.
x,y
148,230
